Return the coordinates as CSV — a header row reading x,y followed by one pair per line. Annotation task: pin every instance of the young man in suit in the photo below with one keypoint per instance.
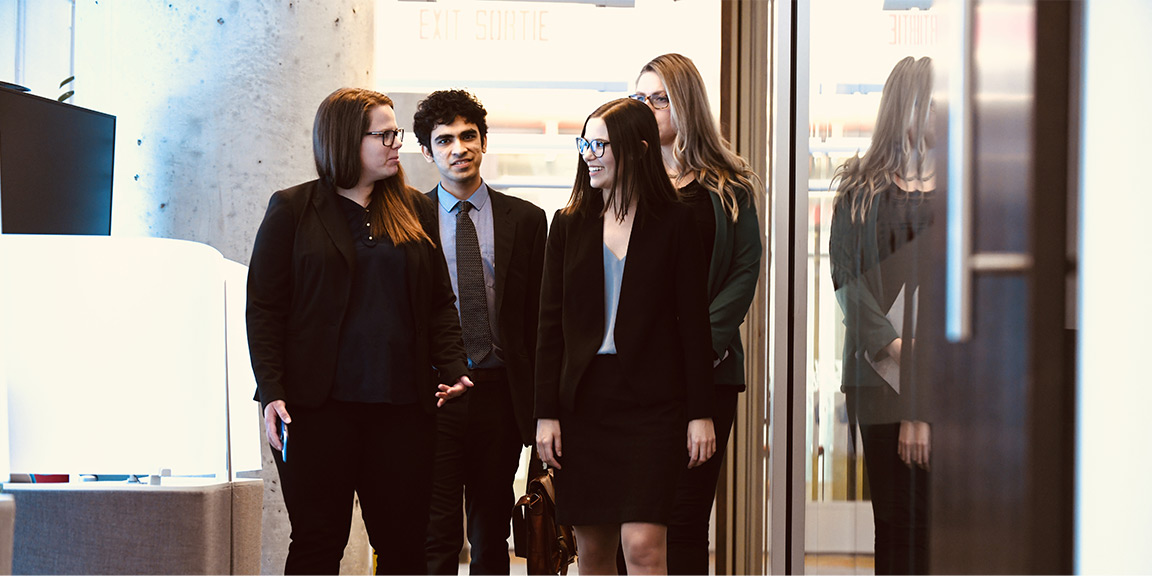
x,y
494,247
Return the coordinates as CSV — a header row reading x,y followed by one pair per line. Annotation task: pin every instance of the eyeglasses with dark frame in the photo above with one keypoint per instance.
x,y
597,146
657,101
389,137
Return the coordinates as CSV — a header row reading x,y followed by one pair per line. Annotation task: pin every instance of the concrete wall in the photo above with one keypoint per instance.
x,y
214,104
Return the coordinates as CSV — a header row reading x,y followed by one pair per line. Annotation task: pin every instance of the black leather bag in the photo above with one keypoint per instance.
x,y
548,546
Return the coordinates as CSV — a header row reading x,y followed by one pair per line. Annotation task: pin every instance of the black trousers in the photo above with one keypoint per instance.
x,y
899,493
383,453
696,492
899,502
478,450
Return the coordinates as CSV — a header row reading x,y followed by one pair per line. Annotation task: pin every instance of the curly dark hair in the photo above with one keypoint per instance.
x,y
443,107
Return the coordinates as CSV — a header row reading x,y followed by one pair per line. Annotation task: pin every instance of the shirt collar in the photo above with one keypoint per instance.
x,y
479,198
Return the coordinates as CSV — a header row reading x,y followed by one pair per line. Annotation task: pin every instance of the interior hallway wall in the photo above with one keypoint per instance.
x,y
214,102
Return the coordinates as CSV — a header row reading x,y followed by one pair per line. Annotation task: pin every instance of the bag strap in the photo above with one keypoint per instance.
x,y
545,480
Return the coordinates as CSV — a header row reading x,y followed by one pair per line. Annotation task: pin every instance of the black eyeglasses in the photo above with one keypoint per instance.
x,y
597,146
657,101
389,137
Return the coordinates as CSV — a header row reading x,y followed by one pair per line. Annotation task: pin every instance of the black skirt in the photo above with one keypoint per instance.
x,y
622,452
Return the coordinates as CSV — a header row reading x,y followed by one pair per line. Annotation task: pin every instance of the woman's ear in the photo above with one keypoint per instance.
x,y
645,143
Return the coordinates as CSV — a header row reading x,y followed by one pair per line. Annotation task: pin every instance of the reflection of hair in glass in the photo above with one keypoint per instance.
x,y
900,141
699,146
443,107
639,176
337,135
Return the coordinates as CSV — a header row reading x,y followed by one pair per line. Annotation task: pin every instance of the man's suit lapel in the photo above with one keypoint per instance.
x,y
324,201
504,231
435,196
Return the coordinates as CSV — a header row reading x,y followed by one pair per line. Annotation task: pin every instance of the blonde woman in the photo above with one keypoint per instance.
x,y
880,214
721,190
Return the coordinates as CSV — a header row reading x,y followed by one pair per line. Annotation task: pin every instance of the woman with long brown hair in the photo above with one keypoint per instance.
x,y
349,307
623,378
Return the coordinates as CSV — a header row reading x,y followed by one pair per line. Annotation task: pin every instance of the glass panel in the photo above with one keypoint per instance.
x,y
854,47
542,71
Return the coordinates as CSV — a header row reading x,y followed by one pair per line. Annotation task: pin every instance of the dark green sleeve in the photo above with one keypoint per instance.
x,y
854,257
730,304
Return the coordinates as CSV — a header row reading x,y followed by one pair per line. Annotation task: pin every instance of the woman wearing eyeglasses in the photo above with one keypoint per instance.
x,y
349,306
623,376
720,188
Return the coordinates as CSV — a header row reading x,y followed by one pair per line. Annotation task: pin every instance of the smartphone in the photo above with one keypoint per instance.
x,y
283,441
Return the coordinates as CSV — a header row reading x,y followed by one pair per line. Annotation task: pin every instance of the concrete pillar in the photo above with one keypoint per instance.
x,y
214,104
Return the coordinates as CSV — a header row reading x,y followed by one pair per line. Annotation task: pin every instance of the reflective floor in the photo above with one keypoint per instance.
x,y
839,564
813,564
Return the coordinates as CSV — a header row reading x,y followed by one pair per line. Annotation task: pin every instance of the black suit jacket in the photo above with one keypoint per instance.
x,y
299,280
663,339
519,228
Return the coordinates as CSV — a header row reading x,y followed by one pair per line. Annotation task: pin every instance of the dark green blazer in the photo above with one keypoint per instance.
x,y
732,279
870,260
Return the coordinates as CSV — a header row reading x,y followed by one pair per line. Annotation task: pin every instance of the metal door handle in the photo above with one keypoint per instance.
x,y
962,263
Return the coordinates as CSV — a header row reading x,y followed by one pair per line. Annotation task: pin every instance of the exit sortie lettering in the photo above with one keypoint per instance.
x,y
484,25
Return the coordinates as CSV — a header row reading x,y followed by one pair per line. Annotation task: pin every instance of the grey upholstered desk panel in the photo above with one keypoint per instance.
x,y
7,528
106,528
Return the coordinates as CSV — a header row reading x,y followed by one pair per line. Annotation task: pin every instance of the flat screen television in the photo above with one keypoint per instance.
x,y
55,166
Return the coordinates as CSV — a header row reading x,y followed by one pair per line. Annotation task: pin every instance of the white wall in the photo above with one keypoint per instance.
x,y
1114,467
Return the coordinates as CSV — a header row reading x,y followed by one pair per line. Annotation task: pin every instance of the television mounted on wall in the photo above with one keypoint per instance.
x,y
55,166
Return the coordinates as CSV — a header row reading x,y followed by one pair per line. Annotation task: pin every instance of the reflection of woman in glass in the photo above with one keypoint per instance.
x,y
720,188
879,216
623,376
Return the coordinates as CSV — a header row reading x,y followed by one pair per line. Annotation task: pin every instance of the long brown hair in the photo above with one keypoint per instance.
x,y
699,145
898,146
639,175
337,134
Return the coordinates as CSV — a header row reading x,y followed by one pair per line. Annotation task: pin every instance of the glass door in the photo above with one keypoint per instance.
x,y
853,48
927,356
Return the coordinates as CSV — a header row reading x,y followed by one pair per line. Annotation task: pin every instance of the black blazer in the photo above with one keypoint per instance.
x,y
663,339
519,228
299,279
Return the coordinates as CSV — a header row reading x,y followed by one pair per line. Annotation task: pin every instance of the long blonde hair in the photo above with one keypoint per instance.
x,y
699,146
898,145
337,135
